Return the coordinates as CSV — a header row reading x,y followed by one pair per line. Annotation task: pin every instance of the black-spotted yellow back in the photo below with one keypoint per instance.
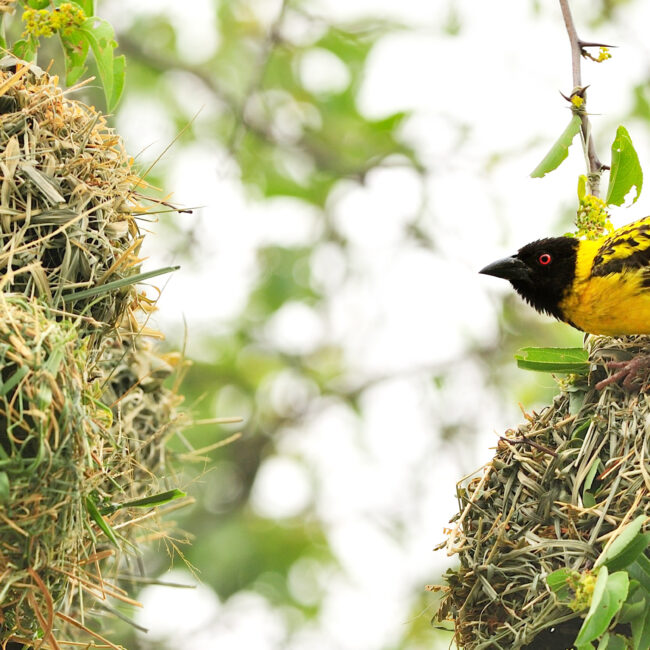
x,y
600,286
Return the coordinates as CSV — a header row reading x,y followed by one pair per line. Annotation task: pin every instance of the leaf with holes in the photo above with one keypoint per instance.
x,y
626,172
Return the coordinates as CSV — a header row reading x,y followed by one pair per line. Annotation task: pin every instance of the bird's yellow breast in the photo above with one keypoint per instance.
x,y
613,304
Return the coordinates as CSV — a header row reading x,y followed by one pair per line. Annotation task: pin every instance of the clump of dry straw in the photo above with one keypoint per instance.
x,y
556,490
84,410
68,199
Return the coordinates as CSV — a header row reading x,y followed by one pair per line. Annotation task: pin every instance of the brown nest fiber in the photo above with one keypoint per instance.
x,y
72,452
556,490
49,427
84,409
67,198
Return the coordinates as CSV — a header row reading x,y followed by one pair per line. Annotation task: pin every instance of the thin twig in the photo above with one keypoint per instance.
x,y
576,52
594,166
526,441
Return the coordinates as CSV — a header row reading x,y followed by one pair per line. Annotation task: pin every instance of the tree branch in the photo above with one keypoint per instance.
x,y
594,166
576,50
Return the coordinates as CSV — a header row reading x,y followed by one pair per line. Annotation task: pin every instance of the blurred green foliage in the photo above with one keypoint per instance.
x,y
271,124
287,138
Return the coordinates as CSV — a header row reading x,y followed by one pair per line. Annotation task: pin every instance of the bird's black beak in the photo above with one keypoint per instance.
x,y
509,268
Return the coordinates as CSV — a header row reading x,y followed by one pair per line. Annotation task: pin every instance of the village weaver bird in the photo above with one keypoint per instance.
x,y
598,286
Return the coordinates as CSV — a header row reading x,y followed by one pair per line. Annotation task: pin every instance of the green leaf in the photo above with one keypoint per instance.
x,y
588,499
566,360
634,607
609,594
627,546
75,47
557,582
599,599
582,186
604,642
614,642
100,521
641,631
591,474
152,501
119,73
631,552
640,570
25,50
101,38
559,151
626,171
38,4
87,5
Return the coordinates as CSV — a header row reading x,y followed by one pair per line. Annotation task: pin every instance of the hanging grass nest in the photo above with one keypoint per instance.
x,y
74,475
85,411
68,199
557,490
49,427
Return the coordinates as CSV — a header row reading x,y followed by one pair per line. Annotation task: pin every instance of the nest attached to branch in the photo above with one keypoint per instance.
x,y
556,490
85,410
68,198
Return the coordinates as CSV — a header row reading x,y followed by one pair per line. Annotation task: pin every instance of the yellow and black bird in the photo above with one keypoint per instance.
x,y
600,286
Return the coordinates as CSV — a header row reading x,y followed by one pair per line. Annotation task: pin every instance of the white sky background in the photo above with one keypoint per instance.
x,y
403,308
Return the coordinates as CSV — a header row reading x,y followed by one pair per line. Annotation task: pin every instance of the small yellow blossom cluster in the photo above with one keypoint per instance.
x,y
582,585
592,219
577,100
603,54
41,22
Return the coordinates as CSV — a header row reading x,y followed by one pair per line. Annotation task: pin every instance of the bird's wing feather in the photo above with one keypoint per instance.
x,y
626,249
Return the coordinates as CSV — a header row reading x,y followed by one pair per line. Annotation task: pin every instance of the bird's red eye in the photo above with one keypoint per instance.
x,y
544,259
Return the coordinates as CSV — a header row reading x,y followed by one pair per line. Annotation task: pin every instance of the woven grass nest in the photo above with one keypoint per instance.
x,y
85,405
68,198
46,470
549,503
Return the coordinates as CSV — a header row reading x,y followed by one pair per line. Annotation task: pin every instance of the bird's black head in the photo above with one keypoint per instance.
x,y
541,272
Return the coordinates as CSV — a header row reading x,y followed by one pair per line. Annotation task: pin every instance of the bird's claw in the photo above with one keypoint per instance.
x,y
631,372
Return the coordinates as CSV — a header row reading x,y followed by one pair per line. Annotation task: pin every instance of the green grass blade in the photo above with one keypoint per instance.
x,y
118,284
147,502
100,521
13,380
